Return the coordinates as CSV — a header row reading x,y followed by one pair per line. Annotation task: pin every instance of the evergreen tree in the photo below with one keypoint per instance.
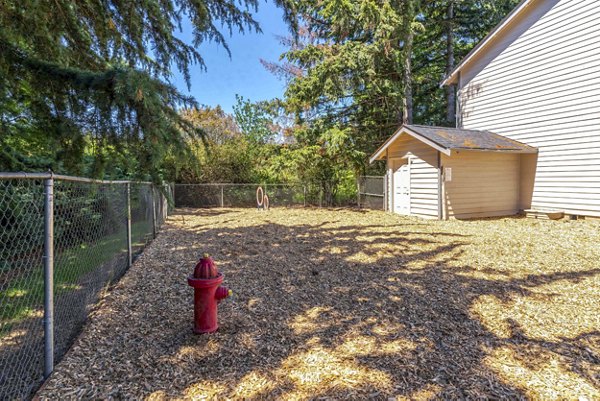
x,y
91,76
451,28
354,59
364,67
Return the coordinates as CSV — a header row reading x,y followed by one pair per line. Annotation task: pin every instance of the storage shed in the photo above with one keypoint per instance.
x,y
440,173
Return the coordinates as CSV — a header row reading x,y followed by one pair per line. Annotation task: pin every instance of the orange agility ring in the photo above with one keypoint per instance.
x,y
260,197
266,202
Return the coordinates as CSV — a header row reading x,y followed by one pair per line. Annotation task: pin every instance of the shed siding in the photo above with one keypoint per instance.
x,y
423,175
483,184
540,84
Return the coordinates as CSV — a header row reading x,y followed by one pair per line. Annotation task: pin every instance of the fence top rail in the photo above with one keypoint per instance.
x,y
372,176
45,176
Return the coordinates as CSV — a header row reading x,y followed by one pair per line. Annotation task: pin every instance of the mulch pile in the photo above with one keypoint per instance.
x,y
350,305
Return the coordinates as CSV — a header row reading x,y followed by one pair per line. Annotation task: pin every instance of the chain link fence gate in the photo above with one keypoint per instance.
x,y
371,192
63,241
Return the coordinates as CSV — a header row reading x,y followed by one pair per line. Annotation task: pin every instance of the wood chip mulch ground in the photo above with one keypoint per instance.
x,y
349,304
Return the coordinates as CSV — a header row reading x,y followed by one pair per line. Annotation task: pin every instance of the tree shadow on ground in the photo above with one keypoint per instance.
x,y
311,319
328,307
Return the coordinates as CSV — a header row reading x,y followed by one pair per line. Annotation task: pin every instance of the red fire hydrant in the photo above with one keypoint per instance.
x,y
207,294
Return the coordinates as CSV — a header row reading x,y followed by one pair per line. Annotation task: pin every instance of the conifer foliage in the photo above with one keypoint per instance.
x,y
85,82
367,66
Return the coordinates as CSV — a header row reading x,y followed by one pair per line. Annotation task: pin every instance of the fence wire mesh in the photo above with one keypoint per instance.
x,y
371,192
21,287
90,253
238,195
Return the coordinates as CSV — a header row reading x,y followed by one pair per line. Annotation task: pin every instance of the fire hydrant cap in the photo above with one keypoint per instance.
x,y
206,268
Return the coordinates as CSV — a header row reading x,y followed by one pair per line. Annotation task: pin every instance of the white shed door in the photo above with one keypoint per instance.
x,y
402,190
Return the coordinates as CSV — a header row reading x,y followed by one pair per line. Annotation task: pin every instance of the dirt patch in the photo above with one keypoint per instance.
x,y
347,305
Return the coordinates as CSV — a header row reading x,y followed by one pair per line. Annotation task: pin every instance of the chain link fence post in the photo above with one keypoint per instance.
x,y
153,210
358,191
320,195
48,276
173,194
222,197
129,251
304,194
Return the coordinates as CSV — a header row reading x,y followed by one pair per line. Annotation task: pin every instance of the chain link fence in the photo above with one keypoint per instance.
x,y
63,241
371,192
238,195
370,195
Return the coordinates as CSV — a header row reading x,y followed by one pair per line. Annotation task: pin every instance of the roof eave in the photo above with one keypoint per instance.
x,y
376,156
450,79
403,129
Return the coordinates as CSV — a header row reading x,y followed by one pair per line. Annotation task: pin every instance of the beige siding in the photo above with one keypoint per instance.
x,y
423,175
539,83
484,184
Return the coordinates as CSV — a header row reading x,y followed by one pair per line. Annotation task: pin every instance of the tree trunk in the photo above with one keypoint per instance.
x,y
407,102
407,106
450,89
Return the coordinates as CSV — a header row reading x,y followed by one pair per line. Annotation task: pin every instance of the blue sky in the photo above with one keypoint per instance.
x,y
242,73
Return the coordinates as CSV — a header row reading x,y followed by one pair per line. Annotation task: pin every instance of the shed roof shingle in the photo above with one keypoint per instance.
x,y
458,138
446,139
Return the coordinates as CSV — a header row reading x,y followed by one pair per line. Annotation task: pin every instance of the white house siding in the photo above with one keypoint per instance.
x,y
423,175
539,83
483,184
